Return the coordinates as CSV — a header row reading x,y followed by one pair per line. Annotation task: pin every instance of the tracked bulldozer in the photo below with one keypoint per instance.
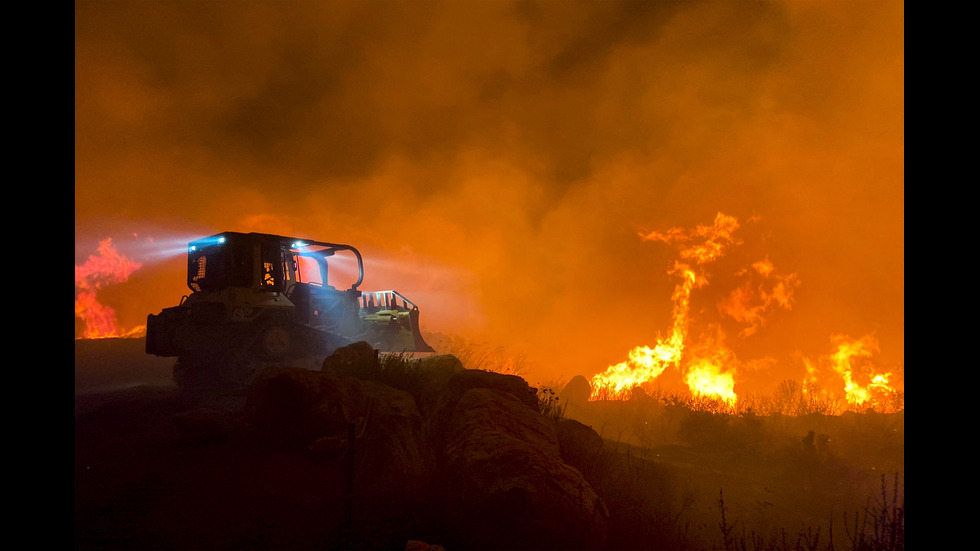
x,y
259,299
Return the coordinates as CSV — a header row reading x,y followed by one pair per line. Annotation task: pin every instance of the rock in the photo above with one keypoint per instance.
x,y
441,397
490,472
390,440
359,360
425,378
577,391
637,394
416,545
508,384
441,364
300,408
580,445
505,484
290,406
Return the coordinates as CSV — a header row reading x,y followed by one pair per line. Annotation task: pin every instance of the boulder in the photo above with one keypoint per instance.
x,y
505,484
508,384
359,360
580,445
425,378
440,365
490,473
299,408
416,545
291,406
441,397
577,391
391,442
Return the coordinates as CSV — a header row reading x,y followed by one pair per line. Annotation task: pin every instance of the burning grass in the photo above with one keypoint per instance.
x,y
790,465
792,470
697,346
790,398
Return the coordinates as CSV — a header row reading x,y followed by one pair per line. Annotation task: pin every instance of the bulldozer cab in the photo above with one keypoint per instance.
x,y
319,279
266,263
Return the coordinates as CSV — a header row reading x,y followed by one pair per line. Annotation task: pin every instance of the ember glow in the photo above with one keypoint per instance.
x,y
95,274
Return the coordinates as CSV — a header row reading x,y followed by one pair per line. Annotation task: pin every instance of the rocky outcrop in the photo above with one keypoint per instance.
x,y
577,391
290,407
441,365
507,384
506,485
358,360
333,416
479,457
425,378
580,445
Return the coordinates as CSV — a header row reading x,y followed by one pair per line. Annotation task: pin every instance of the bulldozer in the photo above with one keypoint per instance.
x,y
259,299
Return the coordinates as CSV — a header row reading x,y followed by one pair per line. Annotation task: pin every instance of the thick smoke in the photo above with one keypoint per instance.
x,y
497,161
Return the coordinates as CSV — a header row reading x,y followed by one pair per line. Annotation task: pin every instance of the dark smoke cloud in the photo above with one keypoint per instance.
x,y
498,160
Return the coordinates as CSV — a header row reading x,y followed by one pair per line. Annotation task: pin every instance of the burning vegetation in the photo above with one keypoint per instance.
x,y
503,163
708,367
693,349
106,268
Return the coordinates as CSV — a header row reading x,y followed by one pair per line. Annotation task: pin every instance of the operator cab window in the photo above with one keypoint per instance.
x,y
308,271
271,266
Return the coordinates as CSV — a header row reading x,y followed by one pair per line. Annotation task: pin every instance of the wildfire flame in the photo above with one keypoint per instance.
x,y
108,268
864,384
764,290
709,367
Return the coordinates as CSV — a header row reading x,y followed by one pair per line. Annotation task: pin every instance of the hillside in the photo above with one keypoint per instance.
x,y
392,454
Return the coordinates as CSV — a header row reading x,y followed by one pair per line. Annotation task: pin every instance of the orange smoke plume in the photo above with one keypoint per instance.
x,y
108,268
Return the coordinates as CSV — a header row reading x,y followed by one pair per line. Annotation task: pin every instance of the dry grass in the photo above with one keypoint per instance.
x,y
790,398
879,527
484,356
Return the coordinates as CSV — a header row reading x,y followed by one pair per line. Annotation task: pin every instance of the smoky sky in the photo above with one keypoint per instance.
x,y
497,161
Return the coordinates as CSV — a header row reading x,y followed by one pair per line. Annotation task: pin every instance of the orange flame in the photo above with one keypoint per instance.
x,y
109,267
749,303
847,361
704,377
707,366
864,385
710,372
